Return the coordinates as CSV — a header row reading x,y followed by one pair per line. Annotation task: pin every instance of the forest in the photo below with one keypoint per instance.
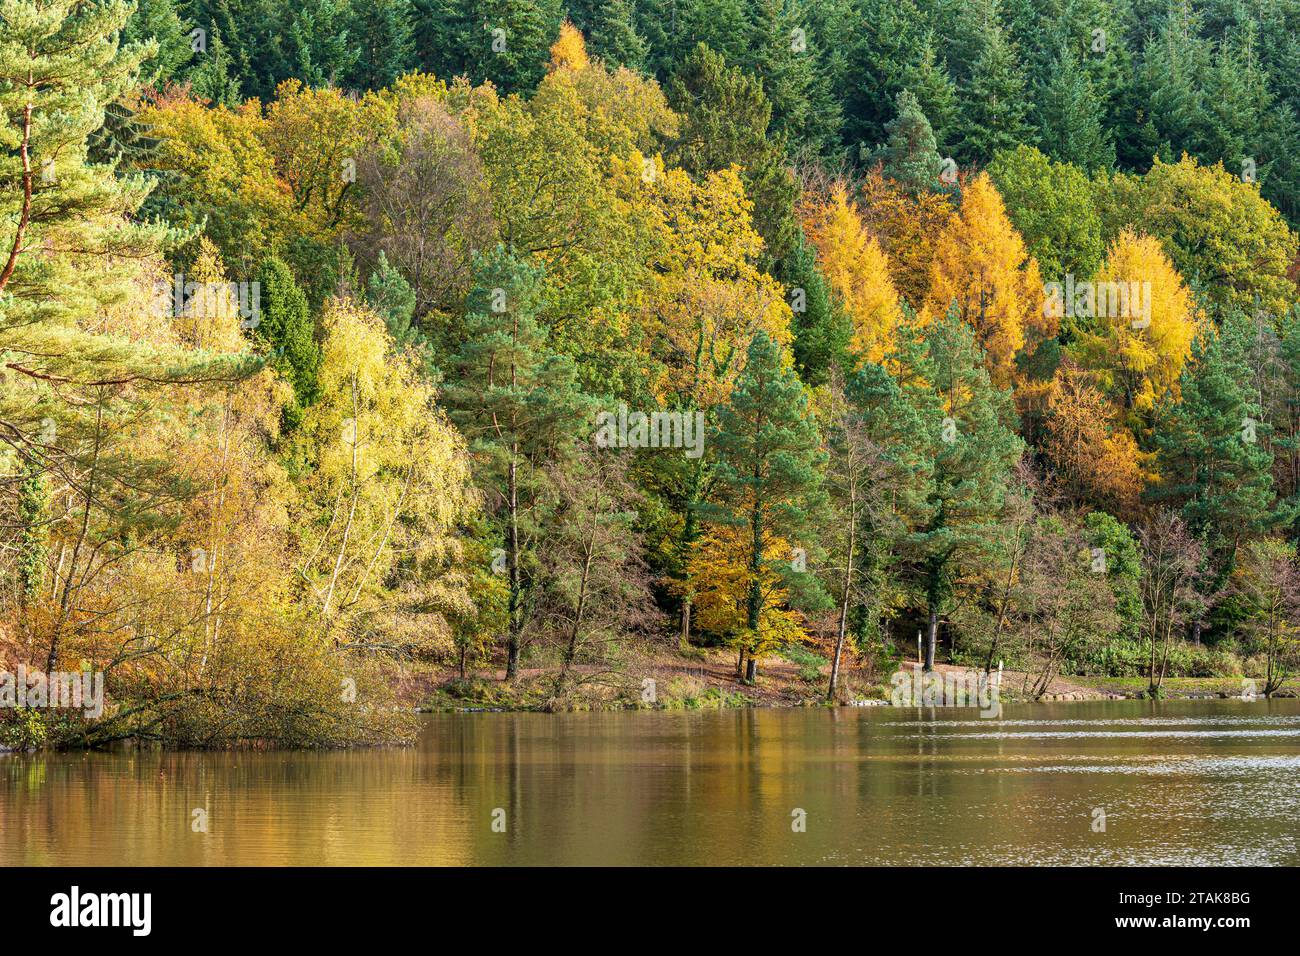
x,y
350,348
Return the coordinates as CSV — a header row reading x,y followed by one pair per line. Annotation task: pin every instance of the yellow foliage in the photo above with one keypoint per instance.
x,y
720,579
1139,353
1093,457
391,474
858,270
982,267
707,296
908,226
569,52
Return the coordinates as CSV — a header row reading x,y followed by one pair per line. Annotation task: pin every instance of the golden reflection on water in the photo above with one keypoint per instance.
x,y
1197,782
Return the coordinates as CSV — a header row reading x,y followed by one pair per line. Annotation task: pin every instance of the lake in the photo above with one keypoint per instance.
x,y
1099,783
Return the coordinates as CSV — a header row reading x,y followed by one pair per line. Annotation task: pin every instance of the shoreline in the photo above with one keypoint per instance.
x,y
706,680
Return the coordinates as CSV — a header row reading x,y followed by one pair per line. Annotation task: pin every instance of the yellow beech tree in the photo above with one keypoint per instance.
x,y
981,267
721,575
858,270
1146,324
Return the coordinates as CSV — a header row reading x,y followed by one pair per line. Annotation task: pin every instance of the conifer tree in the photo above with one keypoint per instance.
x,y
803,112
517,403
910,155
972,446
215,79
1212,453
285,325
613,36
390,295
994,106
768,473
821,330
381,34
1070,118
507,42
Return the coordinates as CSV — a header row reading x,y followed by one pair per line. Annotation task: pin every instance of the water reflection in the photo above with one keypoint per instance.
x,y
1182,782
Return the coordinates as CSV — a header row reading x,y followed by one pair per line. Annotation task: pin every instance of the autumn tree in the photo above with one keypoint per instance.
x,y
1266,586
1094,457
390,485
1172,579
426,206
858,272
1142,329
1216,229
982,269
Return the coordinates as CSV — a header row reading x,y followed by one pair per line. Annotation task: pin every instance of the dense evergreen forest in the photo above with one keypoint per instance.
x,y
346,341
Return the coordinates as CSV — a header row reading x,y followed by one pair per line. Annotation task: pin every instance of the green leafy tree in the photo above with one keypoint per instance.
x,y
1053,207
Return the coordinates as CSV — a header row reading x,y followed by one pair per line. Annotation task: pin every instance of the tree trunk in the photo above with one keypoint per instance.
x,y
844,604
932,636
512,565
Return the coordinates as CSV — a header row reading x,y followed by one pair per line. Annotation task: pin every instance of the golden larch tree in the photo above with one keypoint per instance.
x,y
981,267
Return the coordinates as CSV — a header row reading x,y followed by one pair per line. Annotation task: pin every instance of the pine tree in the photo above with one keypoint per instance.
x,y
994,107
50,198
319,44
382,38
910,155
768,473
935,93
821,331
70,253
440,34
517,402
613,37
389,294
1212,453
725,117
508,41
972,446
888,44
159,21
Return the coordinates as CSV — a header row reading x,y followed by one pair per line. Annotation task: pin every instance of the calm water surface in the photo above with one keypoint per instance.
x,y
1204,782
